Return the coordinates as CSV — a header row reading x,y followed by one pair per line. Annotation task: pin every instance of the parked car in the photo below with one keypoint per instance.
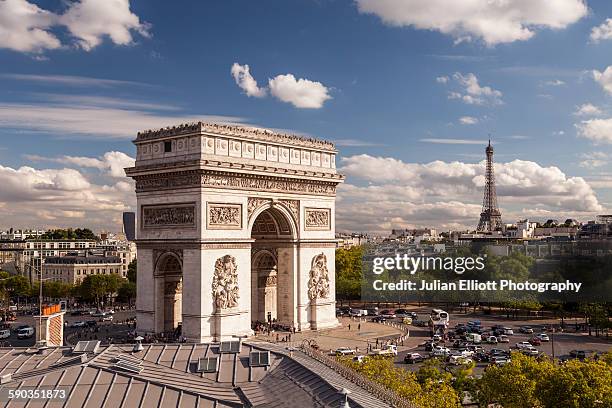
x,y
412,358
345,351
402,313
372,312
543,337
25,333
579,354
523,344
526,329
535,341
503,339
5,333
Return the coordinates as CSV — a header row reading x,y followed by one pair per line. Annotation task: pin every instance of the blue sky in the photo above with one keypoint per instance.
x,y
395,79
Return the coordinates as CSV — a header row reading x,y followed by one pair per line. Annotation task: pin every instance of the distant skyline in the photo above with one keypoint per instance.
x,y
409,98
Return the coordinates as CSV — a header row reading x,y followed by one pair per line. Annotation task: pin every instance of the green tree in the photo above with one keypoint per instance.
x,y
132,270
349,272
99,287
127,292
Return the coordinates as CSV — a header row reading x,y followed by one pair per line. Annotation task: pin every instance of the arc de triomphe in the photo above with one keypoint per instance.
x,y
235,225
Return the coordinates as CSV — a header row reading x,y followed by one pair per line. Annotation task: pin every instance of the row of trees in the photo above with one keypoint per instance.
x,y
70,234
525,382
93,288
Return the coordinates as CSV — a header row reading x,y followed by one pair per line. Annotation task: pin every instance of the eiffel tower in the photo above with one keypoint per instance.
x,y
490,217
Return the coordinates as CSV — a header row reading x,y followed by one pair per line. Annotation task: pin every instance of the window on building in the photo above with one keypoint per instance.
x,y
167,147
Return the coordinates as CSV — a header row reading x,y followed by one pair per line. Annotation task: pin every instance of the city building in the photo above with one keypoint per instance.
x,y
74,268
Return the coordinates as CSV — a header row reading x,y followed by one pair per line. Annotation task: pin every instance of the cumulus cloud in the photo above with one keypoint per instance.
x,y
383,193
472,93
442,79
246,82
597,130
602,31
25,27
468,120
301,93
587,109
111,163
493,22
604,78
55,197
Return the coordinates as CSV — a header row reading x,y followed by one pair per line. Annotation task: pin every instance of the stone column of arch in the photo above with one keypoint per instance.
x,y
217,194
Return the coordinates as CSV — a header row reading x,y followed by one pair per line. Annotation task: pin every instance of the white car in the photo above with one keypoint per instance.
x,y
5,334
440,351
543,337
25,332
503,339
345,351
530,351
526,329
78,324
359,359
492,340
459,360
508,331
523,344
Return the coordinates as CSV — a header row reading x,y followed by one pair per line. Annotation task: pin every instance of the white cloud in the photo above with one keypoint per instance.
x,y
113,163
604,78
246,82
445,194
554,82
72,80
442,79
56,197
25,27
91,20
494,22
587,109
301,93
93,116
602,32
472,93
468,120
593,160
597,130
558,132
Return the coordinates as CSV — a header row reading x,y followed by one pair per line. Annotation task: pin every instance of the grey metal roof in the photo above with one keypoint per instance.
x,y
169,378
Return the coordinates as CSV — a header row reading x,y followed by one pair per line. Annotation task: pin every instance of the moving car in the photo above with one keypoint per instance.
x,y
402,313
508,331
526,329
372,312
107,318
345,351
439,351
543,337
25,332
530,351
535,341
78,324
579,354
5,333
389,350
412,358
500,360
503,339
459,360
492,340
359,359
387,314
358,312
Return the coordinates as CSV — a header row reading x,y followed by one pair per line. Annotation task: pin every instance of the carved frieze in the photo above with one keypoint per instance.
x,y
267,281
224,216
318,219
254,203
294,208
168,216
223,180
225,283
318,282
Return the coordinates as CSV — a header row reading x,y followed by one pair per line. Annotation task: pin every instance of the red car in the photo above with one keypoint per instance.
x,y
535,341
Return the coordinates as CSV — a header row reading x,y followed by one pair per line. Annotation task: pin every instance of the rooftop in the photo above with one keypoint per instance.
x,y
81,259
168,377
234,130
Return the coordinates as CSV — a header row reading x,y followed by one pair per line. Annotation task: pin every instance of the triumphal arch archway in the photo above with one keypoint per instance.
x,y
235,225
